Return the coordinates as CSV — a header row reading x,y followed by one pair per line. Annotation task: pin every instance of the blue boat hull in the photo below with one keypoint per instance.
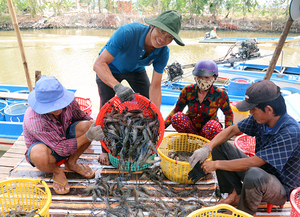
x,y
290,76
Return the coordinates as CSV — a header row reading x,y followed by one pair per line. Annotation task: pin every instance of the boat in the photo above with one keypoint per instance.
x,y
283,75
272,40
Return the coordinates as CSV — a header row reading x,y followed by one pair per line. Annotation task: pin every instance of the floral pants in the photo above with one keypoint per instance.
x,y
183,124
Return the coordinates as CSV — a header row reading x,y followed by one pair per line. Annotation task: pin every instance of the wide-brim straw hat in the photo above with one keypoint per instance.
x,y
170,22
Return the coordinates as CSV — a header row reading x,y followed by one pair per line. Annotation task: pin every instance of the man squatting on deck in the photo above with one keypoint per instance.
x,y
55,128
274,171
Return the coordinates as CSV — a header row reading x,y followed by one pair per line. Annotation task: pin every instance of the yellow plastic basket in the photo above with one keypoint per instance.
x,y
178,171
218,211
25,194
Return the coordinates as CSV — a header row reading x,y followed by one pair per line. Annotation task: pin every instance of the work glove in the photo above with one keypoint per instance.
x,y
199,155
95,133
124,93
196,173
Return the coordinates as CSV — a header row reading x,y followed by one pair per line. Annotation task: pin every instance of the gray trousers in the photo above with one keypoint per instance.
x,y
255,185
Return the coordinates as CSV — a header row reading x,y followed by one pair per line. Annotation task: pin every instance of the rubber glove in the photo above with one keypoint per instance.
x,y
196,173
124,93
95,133
199,155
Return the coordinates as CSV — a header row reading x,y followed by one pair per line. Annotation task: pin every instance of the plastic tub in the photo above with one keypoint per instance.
x,y
238,85
15,112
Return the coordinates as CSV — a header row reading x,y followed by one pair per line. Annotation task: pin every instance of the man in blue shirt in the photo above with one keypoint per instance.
x,y
124,57
274,171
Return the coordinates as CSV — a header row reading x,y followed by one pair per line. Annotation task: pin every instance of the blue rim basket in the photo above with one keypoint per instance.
x,y
15,112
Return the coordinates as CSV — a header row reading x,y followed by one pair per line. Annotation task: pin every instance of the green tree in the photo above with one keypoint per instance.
x,y
214,7
197,6
231,7
165,5
56,5
145,5
3,7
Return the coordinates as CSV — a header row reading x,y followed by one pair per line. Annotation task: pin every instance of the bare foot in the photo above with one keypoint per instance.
x,y
103,159
232,199
60,183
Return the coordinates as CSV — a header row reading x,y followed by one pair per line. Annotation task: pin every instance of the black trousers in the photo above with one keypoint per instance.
x,y
138,81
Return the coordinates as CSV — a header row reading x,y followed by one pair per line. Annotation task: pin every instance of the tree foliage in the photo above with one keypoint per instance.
x,y
229,8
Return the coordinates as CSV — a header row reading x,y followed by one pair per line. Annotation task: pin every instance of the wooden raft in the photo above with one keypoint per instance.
x,y
14,165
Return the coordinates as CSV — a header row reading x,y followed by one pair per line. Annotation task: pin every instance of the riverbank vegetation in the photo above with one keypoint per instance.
x,y
245,15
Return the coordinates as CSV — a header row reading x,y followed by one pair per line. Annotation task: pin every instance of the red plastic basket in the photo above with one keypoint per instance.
x,y
85,104
246,144
139,102
295,202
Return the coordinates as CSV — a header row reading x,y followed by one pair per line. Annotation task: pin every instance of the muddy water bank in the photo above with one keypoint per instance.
x,y
114,21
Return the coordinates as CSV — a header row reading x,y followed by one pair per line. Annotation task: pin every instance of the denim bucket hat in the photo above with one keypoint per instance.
x,y
170,22
49,95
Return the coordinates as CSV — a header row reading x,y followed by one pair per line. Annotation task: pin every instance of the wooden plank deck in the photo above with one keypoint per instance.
x,y
14,165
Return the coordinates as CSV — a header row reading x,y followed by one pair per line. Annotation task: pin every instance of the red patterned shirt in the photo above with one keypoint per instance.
x,y
201,113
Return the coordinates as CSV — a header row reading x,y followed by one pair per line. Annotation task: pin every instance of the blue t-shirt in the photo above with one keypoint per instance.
x,y
127,46
279,147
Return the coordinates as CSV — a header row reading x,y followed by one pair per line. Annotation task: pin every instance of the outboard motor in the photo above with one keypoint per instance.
x,y
249,48
174,71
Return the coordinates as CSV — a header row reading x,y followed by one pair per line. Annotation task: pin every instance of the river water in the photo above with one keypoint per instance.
x,y
69,55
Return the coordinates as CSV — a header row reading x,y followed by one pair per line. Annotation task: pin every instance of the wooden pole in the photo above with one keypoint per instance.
x,y
16,27
278,49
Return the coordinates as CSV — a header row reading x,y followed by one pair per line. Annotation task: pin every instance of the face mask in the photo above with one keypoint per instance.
x,y
204,84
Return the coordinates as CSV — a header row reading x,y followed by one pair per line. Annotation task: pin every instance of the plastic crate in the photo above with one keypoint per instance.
x,y
25,194
178,171
246,144
295,202
85,104
139,102
218,211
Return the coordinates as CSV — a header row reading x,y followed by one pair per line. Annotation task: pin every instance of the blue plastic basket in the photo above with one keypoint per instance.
x,y
15,112
238,85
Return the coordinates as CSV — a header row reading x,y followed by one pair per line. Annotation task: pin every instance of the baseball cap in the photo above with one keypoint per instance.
x,y
258,92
